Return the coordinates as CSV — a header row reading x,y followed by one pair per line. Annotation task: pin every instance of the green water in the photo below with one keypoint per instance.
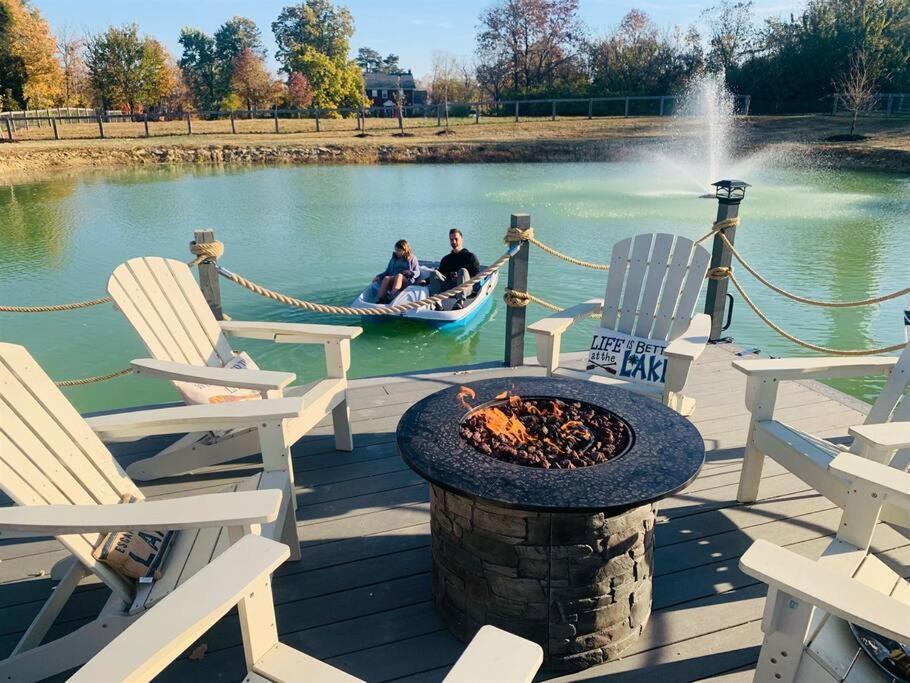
x,y
322,232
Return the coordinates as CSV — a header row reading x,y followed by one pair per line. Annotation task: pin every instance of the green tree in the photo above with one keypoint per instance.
x,y
199,67
368,60
314,39
232,39
390,63
315,24
125,69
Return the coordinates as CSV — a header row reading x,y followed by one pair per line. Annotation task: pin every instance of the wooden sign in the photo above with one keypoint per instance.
x,y
623,356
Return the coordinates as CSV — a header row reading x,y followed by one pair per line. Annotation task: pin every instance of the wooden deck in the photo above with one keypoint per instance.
x,y
360,597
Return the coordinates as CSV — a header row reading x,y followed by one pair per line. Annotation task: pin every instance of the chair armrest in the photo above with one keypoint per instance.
x,y
816,368
162,634
556,324
886,483
201,418
835,593
498,655
260,380
289,333
191,512
888,436
690,345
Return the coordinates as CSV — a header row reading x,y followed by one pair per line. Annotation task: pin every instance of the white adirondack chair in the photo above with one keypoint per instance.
x,y
165,306
240,576
809,603
883,438
66,483
652,290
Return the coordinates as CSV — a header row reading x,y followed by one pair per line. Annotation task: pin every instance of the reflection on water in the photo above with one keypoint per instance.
x,y
323,232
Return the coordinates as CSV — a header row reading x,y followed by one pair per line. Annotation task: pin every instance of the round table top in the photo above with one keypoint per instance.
x,y
666,455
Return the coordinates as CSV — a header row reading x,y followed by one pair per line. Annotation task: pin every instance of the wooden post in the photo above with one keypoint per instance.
x,y
834,105
189,124
316,113
233,125
100,125
516,111
590,109
553,111
721,256
9,128
145,123
477,114
208,275
276,118
518,281
627,107
661,106
54,126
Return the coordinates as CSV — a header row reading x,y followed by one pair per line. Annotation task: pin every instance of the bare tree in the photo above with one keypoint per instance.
x,y
75,74
858,86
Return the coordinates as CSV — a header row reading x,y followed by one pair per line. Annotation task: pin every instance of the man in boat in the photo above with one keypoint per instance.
x,y
455,268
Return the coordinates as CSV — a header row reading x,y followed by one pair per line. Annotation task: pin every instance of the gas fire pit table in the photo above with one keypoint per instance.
x,y
562,556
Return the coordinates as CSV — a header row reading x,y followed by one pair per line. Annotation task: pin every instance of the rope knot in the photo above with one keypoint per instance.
x,y
208,250
518,235
719,273
725,223
516,299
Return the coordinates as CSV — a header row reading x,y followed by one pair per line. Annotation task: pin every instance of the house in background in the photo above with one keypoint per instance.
x,y
381,89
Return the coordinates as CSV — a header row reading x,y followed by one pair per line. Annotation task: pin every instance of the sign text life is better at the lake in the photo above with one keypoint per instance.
x,y
622,355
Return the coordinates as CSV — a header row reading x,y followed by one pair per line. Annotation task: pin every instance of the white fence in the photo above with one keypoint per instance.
x,y
889,104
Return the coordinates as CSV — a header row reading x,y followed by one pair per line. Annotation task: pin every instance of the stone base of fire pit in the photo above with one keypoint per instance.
x,y
560,556
578,584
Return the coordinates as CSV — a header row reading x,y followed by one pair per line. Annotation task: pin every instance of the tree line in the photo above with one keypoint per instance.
x,y
523,49
123,69
542,49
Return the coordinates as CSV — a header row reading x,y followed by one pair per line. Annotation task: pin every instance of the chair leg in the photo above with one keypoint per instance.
x,y
189,455
51,609
64,653
341,421
750,476
289,534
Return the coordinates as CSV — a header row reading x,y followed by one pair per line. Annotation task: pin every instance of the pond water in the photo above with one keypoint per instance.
x,y
322,232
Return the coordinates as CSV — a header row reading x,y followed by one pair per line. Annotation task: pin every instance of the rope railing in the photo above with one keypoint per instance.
x,y
721,273
93,379
527,235
806,300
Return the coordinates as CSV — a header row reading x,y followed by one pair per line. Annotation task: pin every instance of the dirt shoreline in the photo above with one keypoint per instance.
x,y
887,149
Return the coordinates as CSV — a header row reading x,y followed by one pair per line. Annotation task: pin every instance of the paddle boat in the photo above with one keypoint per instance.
x,y
446,314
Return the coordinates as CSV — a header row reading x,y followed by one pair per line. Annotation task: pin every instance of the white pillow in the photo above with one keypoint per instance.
x,y
195,393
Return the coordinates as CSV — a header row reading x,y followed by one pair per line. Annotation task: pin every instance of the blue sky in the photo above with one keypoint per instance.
x,y
413,30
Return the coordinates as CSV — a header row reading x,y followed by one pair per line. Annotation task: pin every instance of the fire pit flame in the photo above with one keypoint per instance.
x,y
464,394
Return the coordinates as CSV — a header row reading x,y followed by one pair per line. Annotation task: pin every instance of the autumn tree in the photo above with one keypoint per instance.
x,y
638,58
314,39
126,70
300,94
536,41
29,72
251,80
452,79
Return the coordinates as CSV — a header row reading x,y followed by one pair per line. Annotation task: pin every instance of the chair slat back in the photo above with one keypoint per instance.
x,y
50,456
893,403
162,301
653,286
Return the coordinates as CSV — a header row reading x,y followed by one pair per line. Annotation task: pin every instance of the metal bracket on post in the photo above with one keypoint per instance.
x,y
517,281
729,194
208,275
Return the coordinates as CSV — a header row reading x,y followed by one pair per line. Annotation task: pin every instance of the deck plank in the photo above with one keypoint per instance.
x,y
360,597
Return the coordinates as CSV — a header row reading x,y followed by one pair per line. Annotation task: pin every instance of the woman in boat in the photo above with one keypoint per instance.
x,y
402,271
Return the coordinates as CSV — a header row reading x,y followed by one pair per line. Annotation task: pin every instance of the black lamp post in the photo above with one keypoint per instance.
x,y
729,194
